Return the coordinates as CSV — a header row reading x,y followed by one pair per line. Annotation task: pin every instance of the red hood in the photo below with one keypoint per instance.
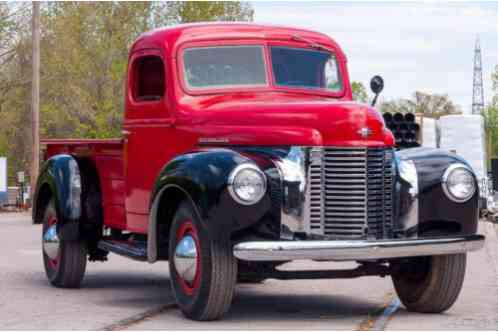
x,y
283,119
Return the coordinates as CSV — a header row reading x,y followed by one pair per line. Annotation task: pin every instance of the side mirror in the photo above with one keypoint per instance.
x,y
376,85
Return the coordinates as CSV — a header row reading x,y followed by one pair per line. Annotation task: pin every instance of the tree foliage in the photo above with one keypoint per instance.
x,y
84,53
193,11
14,85
359,92
431,105
490,115
494,80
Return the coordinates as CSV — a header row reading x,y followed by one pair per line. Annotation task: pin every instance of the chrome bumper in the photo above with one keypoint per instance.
x,y
353,250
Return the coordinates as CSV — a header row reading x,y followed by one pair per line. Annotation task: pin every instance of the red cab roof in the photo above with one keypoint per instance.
x,y
171,37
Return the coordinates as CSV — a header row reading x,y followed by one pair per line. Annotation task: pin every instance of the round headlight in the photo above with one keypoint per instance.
x,y
247,184
459,183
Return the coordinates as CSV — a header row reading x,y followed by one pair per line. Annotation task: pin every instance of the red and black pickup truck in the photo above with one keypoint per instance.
x,y
242,150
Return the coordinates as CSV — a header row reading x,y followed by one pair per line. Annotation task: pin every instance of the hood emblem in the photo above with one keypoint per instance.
x,y
365,132
213,140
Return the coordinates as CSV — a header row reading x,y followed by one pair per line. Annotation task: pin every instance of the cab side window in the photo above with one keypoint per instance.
x,y
149,78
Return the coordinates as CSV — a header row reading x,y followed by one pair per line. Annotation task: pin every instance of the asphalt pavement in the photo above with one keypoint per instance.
x,y
124,294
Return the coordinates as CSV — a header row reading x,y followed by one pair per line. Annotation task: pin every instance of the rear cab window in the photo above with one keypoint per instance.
x,y
149,82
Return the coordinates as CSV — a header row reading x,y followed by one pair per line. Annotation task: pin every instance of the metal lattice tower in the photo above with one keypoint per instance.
x,y
478,94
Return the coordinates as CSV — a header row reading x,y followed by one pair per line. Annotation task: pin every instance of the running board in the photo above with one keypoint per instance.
x,y
134,250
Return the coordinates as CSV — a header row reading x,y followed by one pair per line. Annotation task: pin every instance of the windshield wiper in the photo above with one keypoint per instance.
x,y
311,43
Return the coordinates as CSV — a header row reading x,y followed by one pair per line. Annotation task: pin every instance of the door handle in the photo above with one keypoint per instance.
x,y
125,133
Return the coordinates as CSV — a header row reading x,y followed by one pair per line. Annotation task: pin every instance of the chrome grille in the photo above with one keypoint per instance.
x,y
351,192
380,187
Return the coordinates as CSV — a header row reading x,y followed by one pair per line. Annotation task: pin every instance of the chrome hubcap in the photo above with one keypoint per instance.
x,y
185,259
51,242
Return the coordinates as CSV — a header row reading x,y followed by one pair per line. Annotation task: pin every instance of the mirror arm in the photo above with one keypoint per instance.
x,y
374,101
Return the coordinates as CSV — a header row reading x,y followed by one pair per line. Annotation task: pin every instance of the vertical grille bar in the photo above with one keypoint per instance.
x,y
315,180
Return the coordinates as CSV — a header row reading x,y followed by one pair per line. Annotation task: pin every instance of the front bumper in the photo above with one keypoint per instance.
x,y
355,250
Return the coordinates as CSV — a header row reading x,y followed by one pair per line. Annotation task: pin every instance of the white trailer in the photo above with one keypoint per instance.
x,y
465,135
429,133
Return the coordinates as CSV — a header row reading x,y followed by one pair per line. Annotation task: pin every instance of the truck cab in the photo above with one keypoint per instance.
x,y
241,150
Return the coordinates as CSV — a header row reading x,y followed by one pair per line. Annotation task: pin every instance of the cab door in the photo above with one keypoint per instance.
x,y
147,131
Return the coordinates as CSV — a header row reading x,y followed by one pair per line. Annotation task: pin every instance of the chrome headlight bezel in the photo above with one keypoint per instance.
x,y
447,174
232,178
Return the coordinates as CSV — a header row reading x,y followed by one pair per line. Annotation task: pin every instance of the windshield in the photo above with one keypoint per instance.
x,y
303,68
224,66
219,67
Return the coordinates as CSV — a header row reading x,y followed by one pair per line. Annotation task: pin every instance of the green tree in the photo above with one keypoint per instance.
x,y
15,70
397,105
12,30
205,11
84,53
359,92
490,115
434,105
494,80
431,105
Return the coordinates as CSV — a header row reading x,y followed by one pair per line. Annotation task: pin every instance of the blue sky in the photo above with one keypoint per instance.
x,y
425,46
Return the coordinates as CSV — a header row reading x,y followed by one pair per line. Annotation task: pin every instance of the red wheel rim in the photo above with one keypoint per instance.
x,y
188,228
52,262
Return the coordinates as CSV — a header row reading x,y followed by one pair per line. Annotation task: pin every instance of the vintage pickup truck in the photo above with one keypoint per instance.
x,y
243,150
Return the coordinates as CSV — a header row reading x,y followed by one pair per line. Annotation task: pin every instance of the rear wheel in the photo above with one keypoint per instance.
x,y
64,261
203,271
430,284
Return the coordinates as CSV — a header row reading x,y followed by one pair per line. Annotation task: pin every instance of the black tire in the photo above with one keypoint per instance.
x,y
68,269
430,284
210,295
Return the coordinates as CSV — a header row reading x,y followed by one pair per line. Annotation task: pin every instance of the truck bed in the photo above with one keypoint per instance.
x,y
107,156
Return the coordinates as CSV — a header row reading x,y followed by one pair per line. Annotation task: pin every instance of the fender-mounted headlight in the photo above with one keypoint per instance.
x,y
247,184
459,183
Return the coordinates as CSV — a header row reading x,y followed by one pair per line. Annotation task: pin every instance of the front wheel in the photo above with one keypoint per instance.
x,y
430,284
65,261
203,271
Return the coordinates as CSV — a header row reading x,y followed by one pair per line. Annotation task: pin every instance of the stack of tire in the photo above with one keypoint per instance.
x,y
404,128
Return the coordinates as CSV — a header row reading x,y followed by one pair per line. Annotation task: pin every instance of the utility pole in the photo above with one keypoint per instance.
x,y
35,95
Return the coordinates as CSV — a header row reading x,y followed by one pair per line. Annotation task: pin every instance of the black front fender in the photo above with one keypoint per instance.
x,y
61,174
202,176
435,210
